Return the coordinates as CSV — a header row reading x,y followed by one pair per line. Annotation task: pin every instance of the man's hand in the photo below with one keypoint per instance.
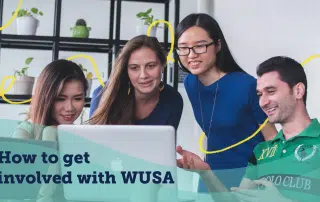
x,y
190,160
270,193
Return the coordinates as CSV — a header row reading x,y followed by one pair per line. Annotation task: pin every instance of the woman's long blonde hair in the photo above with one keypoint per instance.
x,y
116,106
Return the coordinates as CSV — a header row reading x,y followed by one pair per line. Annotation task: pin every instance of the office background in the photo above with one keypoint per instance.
x,y
254,30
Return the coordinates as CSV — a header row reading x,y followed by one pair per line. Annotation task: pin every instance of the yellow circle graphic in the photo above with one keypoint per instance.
x,y
2,91
12,17
169,58
94,64
2,86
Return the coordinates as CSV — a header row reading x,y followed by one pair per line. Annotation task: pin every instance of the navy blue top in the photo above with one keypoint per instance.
x,y
236,116
167,111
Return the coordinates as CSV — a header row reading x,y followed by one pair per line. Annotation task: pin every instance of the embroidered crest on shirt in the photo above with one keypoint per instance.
x,y
303,152
268,152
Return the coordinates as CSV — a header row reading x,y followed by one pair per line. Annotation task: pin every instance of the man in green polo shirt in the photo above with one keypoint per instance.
x,y
283,169
291,164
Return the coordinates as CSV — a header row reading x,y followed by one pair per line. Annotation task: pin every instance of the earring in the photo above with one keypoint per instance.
x,y
161,86
129,89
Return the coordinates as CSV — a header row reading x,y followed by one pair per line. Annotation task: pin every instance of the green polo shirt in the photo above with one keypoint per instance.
x,y
293,165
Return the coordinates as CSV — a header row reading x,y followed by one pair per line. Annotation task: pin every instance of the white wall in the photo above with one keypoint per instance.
x,y
258,30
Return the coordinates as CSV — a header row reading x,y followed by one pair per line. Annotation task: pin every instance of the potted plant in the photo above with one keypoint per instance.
x,y
88,77
24,83
27,23
80,30
146,20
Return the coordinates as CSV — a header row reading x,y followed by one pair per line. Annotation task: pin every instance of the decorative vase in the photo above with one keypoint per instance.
x,y
80,31
143,30
153,31
23,85
27,25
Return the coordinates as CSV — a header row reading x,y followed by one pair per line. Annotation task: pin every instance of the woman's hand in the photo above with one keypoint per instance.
x,y
190,160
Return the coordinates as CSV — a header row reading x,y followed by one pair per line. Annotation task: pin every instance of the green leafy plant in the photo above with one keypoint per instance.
x,y
23,71
88,75
147,17
26,12
82,68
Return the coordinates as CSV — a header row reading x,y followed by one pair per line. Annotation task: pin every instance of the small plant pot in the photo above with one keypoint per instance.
x,y
89,87
153,31
27,25
23,85
143,30
80,31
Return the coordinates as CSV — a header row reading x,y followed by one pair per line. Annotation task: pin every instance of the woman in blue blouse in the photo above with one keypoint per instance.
x,y
134,93
223,96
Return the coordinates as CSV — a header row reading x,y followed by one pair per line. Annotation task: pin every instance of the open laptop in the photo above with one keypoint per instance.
x,y
117,153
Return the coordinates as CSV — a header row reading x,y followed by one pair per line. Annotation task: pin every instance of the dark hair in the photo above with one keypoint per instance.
x,y
115,105
49,84
290,71
225,61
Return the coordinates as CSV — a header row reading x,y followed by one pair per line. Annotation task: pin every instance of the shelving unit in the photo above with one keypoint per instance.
x,y
56,43
20,98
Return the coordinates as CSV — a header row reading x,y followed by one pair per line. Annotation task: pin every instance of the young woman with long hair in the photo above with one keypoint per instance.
x,y
134,93
222,94
59,98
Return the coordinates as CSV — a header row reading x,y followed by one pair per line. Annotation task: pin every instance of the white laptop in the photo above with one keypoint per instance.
x,y
111,159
